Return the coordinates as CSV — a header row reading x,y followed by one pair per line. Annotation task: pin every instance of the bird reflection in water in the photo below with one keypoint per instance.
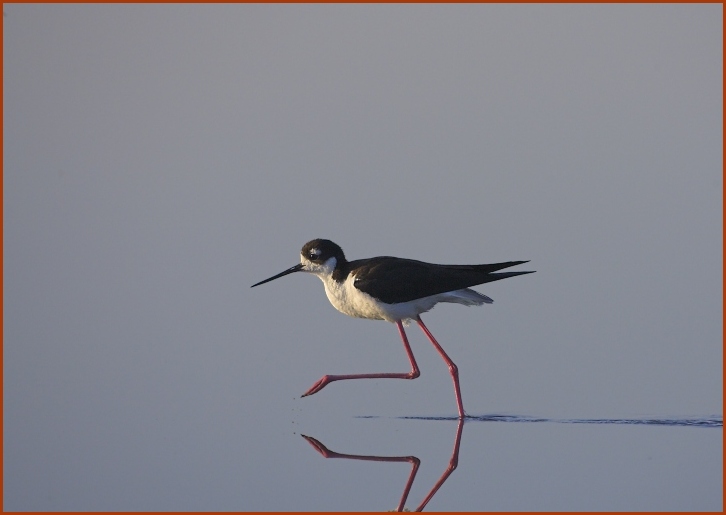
x,y
413,460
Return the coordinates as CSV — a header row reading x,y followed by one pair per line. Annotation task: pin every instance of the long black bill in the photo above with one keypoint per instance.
x,y
290,270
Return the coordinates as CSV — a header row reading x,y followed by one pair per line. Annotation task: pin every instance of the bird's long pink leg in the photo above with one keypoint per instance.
x,y
453,369
413,374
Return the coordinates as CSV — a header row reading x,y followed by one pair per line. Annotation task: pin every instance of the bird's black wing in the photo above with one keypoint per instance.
x,y
395,280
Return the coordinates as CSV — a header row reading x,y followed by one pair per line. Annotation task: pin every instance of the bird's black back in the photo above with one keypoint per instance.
x,y
394,280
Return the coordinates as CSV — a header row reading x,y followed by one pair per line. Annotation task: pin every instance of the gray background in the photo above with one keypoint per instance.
x,y
158,160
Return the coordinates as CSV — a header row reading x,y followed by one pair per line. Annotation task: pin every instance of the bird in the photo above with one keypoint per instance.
x,y
396,290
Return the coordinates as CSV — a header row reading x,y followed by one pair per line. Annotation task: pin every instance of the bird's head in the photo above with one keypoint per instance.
x,y
319,257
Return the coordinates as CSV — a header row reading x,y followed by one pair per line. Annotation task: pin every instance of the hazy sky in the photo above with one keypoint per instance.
x,y
160,159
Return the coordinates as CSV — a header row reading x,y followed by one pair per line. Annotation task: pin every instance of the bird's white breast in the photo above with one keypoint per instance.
x,y
346,298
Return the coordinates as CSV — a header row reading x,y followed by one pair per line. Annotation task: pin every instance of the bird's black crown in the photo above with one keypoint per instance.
x,y
319,251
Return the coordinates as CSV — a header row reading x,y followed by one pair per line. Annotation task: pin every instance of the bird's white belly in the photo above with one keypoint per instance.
x,y
346,298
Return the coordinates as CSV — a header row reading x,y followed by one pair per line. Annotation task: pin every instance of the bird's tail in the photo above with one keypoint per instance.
x,y
503,275
494,267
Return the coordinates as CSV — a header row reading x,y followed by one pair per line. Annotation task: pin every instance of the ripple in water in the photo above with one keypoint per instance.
x,y
708,421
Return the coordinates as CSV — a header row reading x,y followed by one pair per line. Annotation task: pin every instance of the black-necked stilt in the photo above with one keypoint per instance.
x,y
394,289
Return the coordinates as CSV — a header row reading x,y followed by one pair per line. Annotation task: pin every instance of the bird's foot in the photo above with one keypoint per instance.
x,y
319,385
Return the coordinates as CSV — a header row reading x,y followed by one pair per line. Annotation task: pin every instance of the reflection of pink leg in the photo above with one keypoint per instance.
x,y
413,374
453,462
413,460
453,369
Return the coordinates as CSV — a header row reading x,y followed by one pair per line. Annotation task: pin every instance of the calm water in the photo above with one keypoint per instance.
x,y
300,460
508,462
